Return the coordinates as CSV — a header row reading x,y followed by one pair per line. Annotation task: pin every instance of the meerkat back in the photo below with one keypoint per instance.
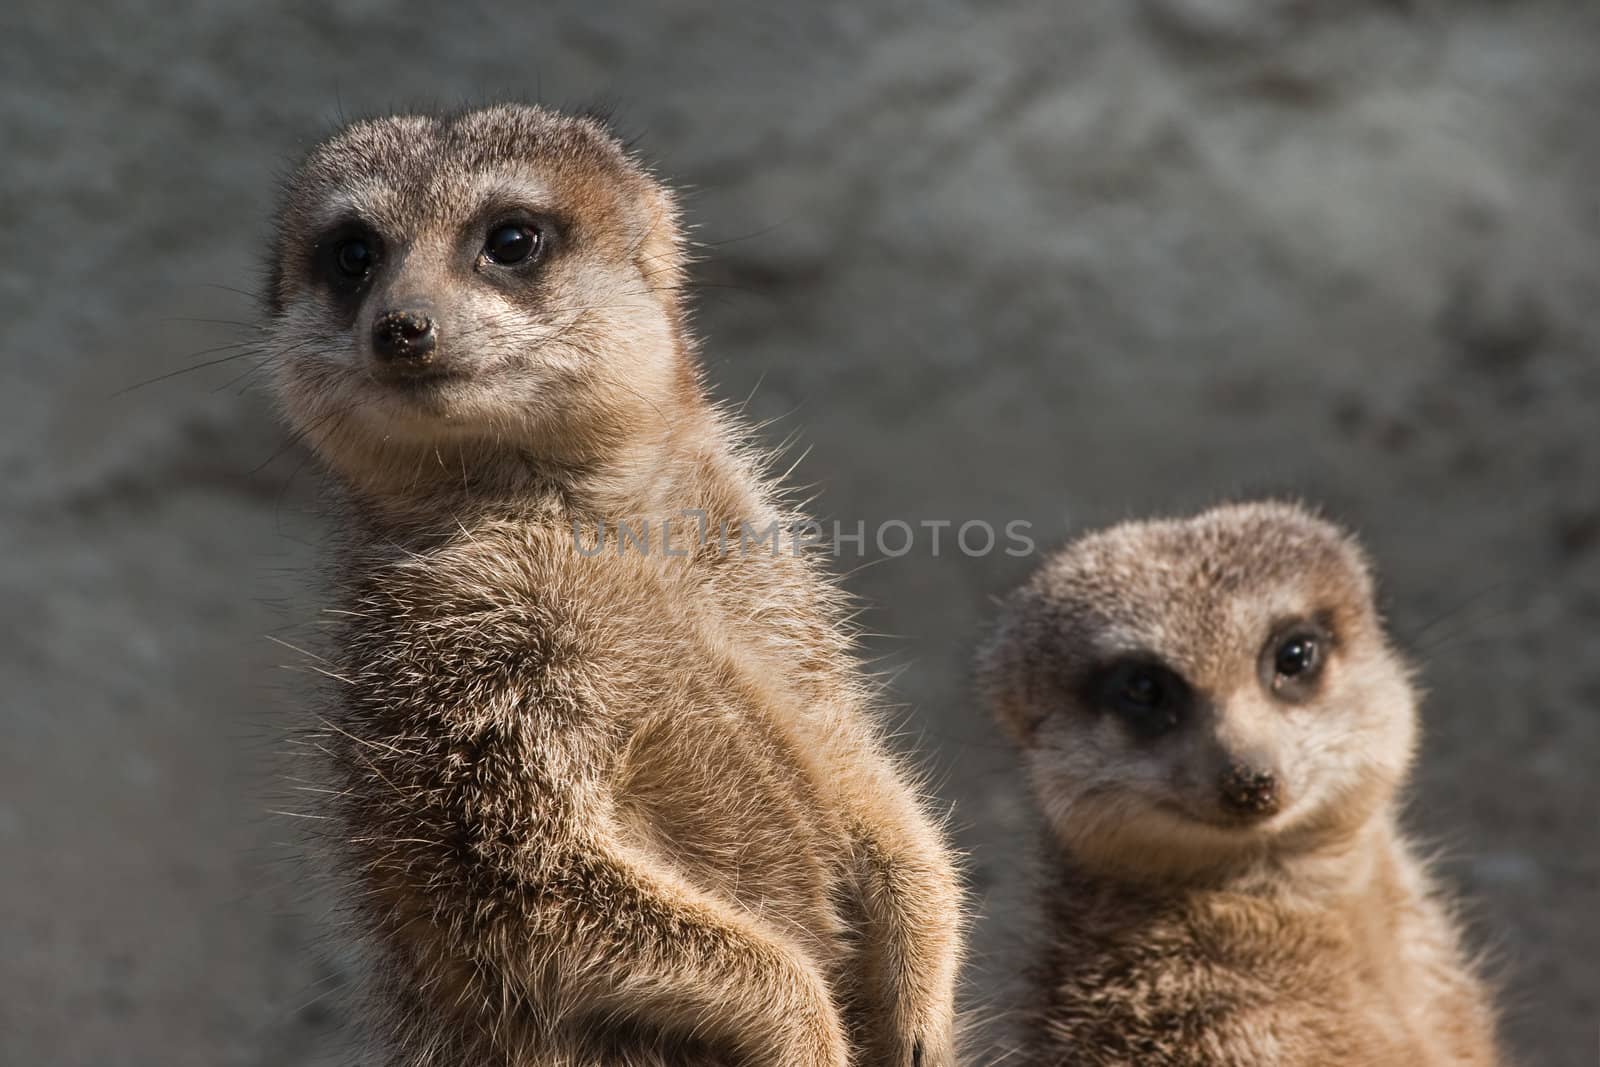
x,y
604,799
1215,727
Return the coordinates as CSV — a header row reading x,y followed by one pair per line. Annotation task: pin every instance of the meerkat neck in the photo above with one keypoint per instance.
x,y
1366,863
1339,869
686,460
1348,866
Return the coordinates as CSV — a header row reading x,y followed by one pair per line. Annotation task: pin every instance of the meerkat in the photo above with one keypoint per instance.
x,y
604,801
1215,728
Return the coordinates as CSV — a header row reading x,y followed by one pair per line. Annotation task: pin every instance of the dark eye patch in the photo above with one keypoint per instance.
x,y
1147,696
346,257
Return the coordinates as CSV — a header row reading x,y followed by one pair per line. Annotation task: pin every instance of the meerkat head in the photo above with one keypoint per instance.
x,y
496,287
1193,693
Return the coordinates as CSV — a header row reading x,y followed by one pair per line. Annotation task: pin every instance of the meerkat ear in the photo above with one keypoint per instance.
x,y
603,113
662,256
1004,676
662,252
270,297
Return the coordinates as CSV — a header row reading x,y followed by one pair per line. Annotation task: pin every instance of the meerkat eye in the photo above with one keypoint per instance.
x,y
355,257
1296,656
1293,659
513,243
1141,689
346,256
1146,696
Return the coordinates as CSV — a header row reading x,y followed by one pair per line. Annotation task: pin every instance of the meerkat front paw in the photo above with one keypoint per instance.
x,y
924,1016
921,1040
934,1043
933,1051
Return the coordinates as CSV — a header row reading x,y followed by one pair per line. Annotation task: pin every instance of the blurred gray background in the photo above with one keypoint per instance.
x,y
999,260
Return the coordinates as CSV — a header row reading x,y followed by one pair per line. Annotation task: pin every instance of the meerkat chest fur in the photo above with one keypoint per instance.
x,y
1270,966
711,686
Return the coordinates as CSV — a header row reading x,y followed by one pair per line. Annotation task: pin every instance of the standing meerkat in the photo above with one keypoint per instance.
x,y
604,803
1215,727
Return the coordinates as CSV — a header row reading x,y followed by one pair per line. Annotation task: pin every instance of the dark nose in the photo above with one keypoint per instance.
x,y
404,335
1248,791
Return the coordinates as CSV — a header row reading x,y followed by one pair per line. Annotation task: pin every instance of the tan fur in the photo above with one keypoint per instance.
x,y
1180,930
624,807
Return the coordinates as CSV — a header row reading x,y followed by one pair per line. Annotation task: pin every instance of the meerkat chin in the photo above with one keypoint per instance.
x,y
1215,726
597,807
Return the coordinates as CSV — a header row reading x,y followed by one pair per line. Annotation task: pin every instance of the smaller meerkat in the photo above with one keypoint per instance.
x,y
1215,727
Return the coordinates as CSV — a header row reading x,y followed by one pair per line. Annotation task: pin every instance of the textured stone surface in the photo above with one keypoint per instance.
x,y
986,260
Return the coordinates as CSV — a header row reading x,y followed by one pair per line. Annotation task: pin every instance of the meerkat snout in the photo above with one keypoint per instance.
x,y
1248,791
1243,775
405,339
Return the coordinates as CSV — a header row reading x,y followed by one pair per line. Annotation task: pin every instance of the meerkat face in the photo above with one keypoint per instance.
x,y
502,279
1190,692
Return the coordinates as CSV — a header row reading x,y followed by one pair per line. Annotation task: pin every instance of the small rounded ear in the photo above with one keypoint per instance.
x,y
270,298
1009,674
660,252
661,257
603,114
